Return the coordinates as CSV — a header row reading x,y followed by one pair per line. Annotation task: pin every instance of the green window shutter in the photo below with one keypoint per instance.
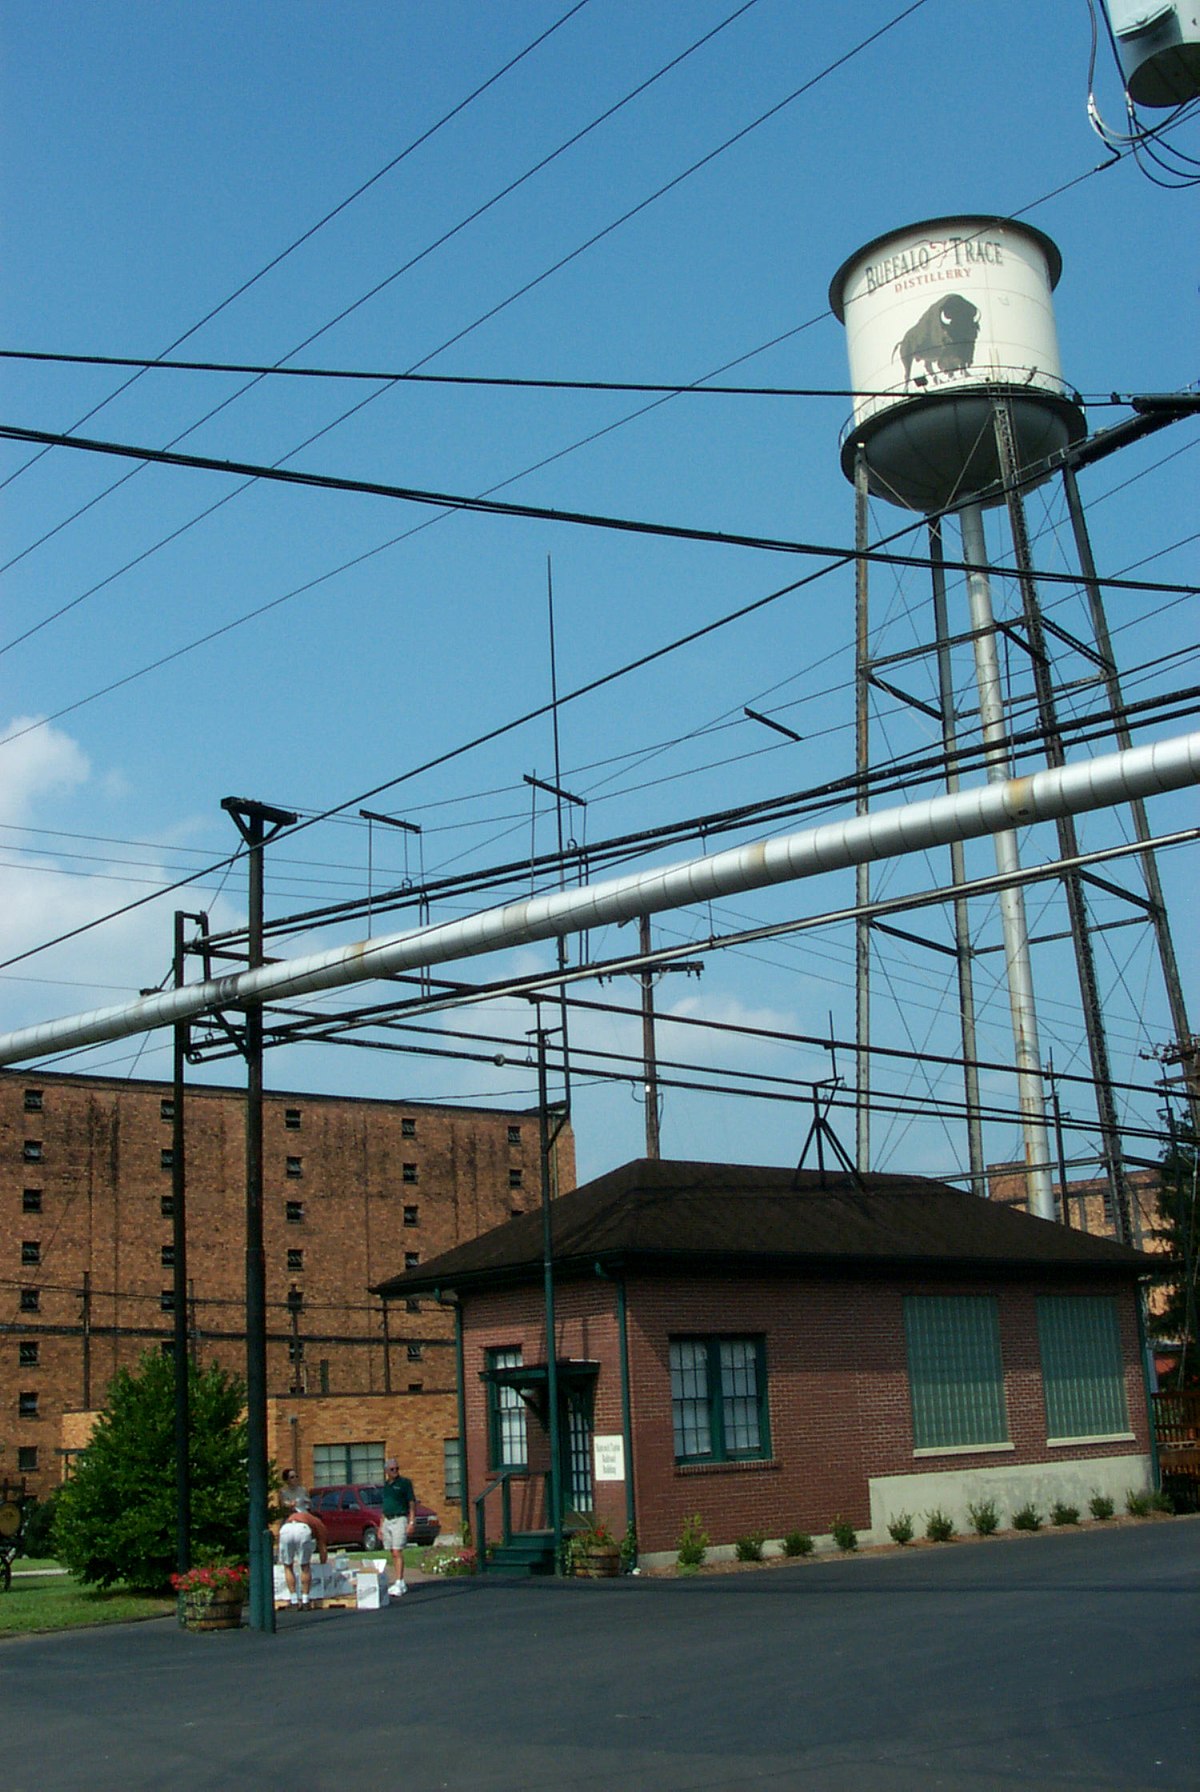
x,y
955,1371
1083,1376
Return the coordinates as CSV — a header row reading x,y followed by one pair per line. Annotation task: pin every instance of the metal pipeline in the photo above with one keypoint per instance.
x,y
968,814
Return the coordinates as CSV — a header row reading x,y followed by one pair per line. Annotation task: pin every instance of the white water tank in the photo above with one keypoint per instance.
x,y
940,318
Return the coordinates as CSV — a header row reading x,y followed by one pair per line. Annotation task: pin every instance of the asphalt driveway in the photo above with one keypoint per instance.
x,y
1058,1661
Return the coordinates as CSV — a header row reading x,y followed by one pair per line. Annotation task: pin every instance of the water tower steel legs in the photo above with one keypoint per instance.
x,y
1156,903
862,873
1068,840
962,921
1011,899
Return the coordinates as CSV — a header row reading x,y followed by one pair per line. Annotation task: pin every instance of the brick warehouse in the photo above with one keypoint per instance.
x,y
772,1348
353,1187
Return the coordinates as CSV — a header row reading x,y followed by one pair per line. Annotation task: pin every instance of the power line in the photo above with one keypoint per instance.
x,y
389,376
389,279
320,224
543,513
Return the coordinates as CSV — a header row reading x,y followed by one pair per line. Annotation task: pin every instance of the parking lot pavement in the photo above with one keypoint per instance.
x,y
1062,1661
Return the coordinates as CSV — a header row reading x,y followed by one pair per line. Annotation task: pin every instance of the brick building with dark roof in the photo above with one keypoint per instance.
x,y
352,1186
772,1348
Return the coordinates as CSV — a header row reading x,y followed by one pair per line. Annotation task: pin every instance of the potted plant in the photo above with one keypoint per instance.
x,y
594,1553
212,1598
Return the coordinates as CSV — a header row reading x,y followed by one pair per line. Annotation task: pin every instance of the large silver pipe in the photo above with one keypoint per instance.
x,y
835,845
1011,899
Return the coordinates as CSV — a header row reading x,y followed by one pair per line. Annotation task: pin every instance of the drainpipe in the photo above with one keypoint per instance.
x,y
626,1403
461,1390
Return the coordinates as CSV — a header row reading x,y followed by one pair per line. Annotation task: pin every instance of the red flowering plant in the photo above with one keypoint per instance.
x,y
201,1586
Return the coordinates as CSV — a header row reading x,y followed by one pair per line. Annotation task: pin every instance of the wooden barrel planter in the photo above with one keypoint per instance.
x,y
597,1561
219,1611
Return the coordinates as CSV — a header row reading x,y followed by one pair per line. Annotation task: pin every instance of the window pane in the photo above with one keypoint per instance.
x,y
365,1462
1082,1373
452,1469
689,1397
954,1371
739,1396
509,1447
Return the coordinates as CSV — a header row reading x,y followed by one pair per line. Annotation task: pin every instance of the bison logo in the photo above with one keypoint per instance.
x,y
943,337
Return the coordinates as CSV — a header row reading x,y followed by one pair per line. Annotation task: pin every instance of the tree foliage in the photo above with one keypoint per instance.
x,y
116,1516
1178,1232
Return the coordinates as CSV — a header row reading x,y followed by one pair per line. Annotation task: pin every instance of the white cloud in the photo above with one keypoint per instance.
x,y
40,764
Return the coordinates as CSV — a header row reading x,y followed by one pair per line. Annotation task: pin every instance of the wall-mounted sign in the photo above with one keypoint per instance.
x,y
610,1457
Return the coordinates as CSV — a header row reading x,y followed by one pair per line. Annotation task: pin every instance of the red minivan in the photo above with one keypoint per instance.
x,y
353,1515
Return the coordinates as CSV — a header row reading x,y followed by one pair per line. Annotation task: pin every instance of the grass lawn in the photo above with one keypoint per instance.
x,y
57,1602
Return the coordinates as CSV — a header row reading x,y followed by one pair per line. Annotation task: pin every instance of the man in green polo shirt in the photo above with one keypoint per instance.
x,y
399,1511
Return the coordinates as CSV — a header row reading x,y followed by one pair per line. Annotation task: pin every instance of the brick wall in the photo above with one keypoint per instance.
x,y
83,1233
412,1427
837,1392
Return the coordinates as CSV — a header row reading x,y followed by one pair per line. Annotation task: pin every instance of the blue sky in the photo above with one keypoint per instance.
x,y
157,157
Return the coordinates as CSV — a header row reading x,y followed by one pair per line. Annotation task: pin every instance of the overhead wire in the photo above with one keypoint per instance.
x,y
313,229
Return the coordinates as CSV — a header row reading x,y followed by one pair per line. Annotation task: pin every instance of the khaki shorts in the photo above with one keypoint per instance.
x,y
395,1533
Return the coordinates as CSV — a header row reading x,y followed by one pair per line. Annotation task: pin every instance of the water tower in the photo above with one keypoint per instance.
x,y
960,407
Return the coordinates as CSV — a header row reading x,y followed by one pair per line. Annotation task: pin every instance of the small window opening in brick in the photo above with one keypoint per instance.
x,y
31,1251
27,1355
408,1128
291,1119
166,1158
27,1458
166,1300
27,1404
416,1387
408,1173
295,1213
31,1300
33,1101
295,1166
515,1178
414,1353
295,1350
167,1206
295,1261
295,1299
514,1135
514,1213
32,1152
411,1259
168,1256
412,1304
166,1108
31,1200
411,1217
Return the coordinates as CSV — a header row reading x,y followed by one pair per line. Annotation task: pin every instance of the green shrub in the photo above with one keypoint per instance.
x,y
750,1547
116,1515
1162,1501
1061,1513
797,1543
1137,1504
629,1550
939,1526
1100,1506
844,1534
900,1528
693,1542
1027,1519
985,1519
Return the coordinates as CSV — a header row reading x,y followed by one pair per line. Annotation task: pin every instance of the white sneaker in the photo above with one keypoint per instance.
x,y
396,1589
404,1586
294,1599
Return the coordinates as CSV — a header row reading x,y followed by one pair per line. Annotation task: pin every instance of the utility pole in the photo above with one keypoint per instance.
x,y
181,1036
546,1142
257,823
648,1052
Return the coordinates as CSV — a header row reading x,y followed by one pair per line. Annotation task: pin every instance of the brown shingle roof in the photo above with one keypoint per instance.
x,y
703,1215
